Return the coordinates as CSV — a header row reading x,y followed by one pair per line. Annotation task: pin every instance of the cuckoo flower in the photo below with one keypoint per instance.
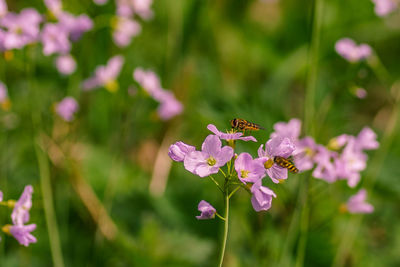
x,y
249,170
348,49
3,8
67,108
148,80
350,162
230,136
75,25
262,196
142,8
179,150
23,233
357,203
66,64
384,7
54,6
207,211
169,106
3,92
1,196
125,30
361,93
22,28
55,39
290,130
209,159
325,169
105,75
304,154
278,146
366,140
20,213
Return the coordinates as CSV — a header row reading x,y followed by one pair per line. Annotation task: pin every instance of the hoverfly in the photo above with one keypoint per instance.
x,y
286,163
243,125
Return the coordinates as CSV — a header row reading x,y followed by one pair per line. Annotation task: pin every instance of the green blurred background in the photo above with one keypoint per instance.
x,y
223,59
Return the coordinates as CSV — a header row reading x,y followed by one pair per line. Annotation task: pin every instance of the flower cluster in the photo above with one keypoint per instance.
x,y
169,105
352,52
125,24
384,7
342,159
243,170
19,217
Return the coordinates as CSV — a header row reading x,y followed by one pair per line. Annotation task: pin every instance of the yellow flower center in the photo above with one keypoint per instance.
x,y
333,144
211,161
268,164
112,86
6,228
245,173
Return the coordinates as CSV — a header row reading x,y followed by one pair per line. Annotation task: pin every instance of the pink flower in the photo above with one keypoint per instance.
x,y
348,49
277,146
22,29
290,130
55,39
3,8
357,204
142,8
67,108
209,159
1,196
23,233
230,136
169,105
361,93
325,169
55,6
179,150
20,213
100,2
306,149
207,211
249,170
105,75
75,25
66,64
262,197
366,139
125,30
384,7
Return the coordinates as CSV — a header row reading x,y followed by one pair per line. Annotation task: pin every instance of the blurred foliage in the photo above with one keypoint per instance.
x,y
222,59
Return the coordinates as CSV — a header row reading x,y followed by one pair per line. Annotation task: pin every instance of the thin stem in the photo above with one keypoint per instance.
x,y
50,216
219,216
226,223
234,191
216,183
223,172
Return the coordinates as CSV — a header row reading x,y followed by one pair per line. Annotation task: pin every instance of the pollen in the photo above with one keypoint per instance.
x,y
112,86
245,173
211,161
268,164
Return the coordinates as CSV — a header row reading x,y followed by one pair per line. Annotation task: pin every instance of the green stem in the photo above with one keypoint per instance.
x,y
234,191
216,183
50,216
226,223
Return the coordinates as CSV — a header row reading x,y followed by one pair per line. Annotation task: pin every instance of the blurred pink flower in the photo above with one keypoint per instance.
x,y
179,150
67,108
366,139
357,204
230,136
384,7
20,213
290,129
211,157
55,39
54,6
22,28
348,49
304,154
262,197
207,211
23,233
105,75
169,105
142,8
325,168
125,30
75,25
277,146
66,64
3,8
1,196
361,93
248,170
